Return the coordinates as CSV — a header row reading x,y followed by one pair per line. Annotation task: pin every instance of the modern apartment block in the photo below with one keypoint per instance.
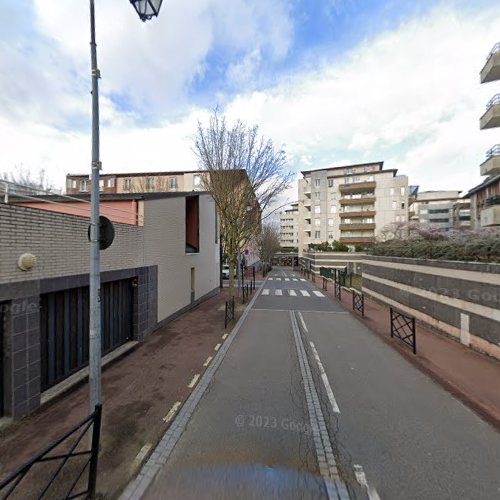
x,y
485,198
289,227
441,209
139,182
350,204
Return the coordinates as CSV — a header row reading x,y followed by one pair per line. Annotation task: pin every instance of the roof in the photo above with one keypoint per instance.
x,y
379,163
488,182
109,196
138,174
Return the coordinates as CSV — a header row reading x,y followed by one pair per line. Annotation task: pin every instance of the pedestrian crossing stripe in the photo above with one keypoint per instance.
x,y
265,291
278,292
302,279
292,293
287,279
317,293
295,279
271,279
305,293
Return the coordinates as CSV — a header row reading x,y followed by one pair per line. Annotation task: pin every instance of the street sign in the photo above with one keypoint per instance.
x,y
106,232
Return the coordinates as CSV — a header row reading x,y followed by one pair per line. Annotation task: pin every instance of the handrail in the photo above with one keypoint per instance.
x,y
494,151
494,100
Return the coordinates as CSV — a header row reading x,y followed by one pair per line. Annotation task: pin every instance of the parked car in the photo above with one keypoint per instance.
x,y
225,272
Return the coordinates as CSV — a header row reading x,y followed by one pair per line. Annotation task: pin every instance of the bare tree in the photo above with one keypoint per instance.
x,y
24,181
269,241
245,174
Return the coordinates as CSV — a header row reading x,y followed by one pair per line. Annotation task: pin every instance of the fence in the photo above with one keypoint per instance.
x,y
56,487
229,314
358,302
403,327
325,284
337,290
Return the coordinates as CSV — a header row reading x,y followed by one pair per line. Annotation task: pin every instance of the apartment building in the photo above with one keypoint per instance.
x,y
441,209
350,204
164,260
138,182
485,198
289,226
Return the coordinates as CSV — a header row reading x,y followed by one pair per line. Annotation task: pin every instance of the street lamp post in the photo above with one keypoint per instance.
x,y
146,9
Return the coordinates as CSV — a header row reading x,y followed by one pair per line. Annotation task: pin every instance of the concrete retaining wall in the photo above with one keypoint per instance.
x,y
459,298
316,260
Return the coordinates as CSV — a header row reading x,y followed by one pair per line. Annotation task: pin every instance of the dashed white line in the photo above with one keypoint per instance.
x,y
287,279
318,293
278,292
271,279
207,362
278,279
217,347
195,379
172,412
295,279
303,323
141,455
302,279
326,383
224,337
361,479
305,293
293,293
265,291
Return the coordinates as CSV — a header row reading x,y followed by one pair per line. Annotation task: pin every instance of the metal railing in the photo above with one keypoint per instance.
x,y
492,200
358,302
325,283
403,327
337,288
9,485
493,101
229,312
494,151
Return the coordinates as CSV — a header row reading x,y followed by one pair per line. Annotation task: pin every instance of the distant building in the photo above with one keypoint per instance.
x,y
289,227
350,204
441,209
485,198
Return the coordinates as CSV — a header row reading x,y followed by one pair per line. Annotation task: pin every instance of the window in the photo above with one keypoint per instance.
x,y
316,195
402,204
126,184
330,235
369,178
101,184
111,183
330,183
317,183
192,224
391,192
398,218
317,209
150,183
403,191
330,222
394,205
333,209
172,182
84,185
197,181
70,183
347,221
439,211
317,234
317,222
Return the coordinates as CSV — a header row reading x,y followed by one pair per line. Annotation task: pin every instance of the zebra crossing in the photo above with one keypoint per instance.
x,y
291,293
287,279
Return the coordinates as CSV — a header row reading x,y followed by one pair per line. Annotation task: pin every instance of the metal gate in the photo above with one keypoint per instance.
x,y
64,327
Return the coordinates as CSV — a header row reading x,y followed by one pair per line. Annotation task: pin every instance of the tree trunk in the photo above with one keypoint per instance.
x,y
231,275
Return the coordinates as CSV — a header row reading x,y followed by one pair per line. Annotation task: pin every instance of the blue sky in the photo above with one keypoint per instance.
x,y
335,81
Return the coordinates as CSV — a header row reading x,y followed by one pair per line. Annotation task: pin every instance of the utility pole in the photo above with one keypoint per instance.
x,y
95,265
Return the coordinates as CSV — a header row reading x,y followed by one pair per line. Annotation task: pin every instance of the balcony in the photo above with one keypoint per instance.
x,y
307,190
357,186
492,164
491,70
356,226
357,213
356,239
307,203
491,118
367,198
307,228
490,216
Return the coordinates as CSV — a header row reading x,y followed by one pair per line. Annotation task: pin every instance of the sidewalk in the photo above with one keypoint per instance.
x,y
470,376
138,392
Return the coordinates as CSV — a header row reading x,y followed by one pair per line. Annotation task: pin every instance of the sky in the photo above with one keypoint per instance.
x,y
333,82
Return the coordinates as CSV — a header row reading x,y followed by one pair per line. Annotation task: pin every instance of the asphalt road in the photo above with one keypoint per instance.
x,y
307,403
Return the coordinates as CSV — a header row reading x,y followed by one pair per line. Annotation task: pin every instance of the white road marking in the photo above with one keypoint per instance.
x,y
295,279
278,279
265,291
271,279
305,293
207,362
292,293
172,412
224,337
361,479
302,279
217,347
195,379
278,292
317,293
141,455
287,279
303,323
308,311
326,383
